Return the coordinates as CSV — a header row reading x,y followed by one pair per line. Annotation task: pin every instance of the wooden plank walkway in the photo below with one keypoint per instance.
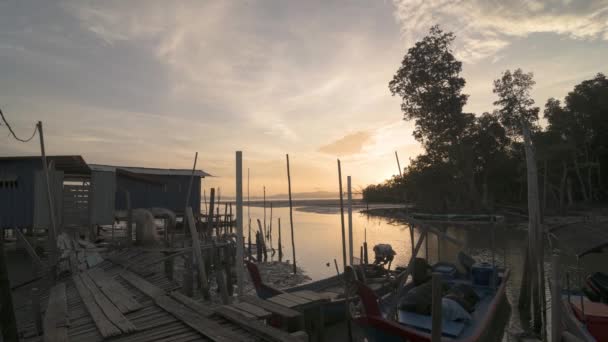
x,y
141,307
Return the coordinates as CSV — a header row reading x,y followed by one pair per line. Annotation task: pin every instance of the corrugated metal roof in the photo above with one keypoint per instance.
x,y
149,171
70,165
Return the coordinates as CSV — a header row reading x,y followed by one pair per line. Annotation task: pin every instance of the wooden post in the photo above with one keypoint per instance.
x,y
436,308
35,296
239,224
293,244
365,255
262,242
187,276
129,219
169,268
196,249
210,215
49,196
349,202
258,245
361,256
219,274
8,328
412,236
556,300
280,243
270,227
264,232
342,216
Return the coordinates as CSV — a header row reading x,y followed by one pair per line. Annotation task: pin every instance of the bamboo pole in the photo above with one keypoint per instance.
x,y
189,190
265,234
263,244
350,219
270,227
129,218
239,224
49,196
293,244
342,216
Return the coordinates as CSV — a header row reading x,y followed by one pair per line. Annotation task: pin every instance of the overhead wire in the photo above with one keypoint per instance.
x,y
10,129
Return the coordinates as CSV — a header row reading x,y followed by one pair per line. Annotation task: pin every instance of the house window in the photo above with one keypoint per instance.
x,y
9,183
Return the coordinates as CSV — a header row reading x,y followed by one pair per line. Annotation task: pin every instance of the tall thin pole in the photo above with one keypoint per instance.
x,y
293,243
264,232
342,216
398,164
188,195
350,219
239,223
49,197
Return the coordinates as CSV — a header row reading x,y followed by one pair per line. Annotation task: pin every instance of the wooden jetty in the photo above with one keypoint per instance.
x,y
110,301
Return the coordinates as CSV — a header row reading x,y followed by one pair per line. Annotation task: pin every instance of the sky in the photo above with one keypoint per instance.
x,y
149,83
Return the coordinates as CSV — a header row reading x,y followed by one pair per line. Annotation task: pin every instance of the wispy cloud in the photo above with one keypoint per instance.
x,y
485,27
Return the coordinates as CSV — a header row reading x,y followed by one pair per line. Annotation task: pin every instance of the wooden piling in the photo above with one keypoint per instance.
x,y
436,328
293,244
7,316
129,232
35,297
211,211
556,300
219,274
342,216
349,202
270,227
265,234
280,243
262,242
365,252
196,249
187,275
240,278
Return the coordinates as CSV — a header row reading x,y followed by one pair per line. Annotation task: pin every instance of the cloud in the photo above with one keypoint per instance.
x,y
485,27
349,144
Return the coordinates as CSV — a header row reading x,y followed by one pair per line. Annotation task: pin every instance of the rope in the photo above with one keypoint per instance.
x,y
13,132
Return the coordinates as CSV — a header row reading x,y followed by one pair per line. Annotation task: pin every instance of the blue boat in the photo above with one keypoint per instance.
x,y
416,327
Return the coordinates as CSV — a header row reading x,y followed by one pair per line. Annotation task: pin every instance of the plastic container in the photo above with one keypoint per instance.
x,y
482,274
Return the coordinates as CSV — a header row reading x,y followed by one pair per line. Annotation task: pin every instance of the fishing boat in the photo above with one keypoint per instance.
x,y
469,301
379,280
586,309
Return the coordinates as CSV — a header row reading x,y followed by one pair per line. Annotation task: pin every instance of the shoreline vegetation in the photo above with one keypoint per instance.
x,y
476,162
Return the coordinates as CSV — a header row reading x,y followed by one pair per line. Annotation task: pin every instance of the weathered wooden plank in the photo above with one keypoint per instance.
x,y
192,304
256,327
272,307
142,285
108,308
283,302
56,320
307,294
293,298
203,325
240,312
105,327
252,309
120,296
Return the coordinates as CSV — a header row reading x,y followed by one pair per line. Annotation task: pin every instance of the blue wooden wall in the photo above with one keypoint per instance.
x,y
17,203
171,195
